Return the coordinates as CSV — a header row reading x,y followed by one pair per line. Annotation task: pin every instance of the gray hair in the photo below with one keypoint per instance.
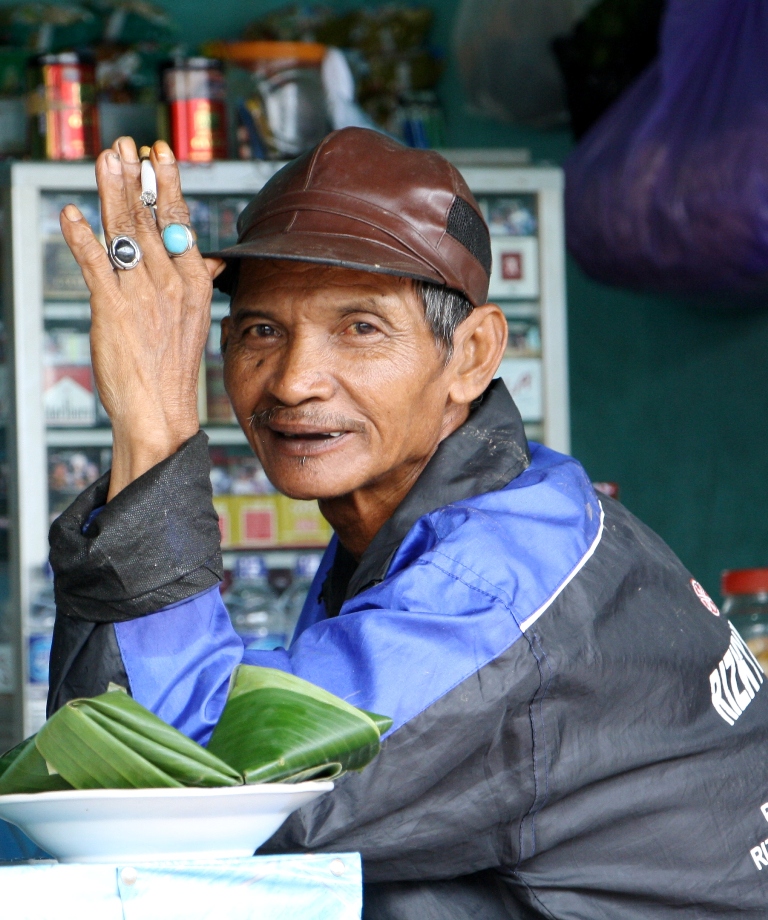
x,y
445,309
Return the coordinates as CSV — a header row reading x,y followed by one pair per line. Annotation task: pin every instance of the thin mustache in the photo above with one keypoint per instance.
x,y
320,421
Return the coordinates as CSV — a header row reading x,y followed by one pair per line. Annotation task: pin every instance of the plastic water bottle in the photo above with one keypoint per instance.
x,y
253,605
42,616
40,620
292,601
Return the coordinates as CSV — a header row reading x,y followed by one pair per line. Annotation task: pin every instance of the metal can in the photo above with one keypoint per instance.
x,y
194,90
745,603
63,108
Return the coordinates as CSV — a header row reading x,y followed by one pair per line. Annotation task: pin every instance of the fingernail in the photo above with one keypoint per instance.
x,y
163,152
72,214
113,163
127,150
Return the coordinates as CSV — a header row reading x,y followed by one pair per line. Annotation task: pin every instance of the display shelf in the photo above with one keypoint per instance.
x,y
225,435
78,437
283,558
102,437
524,310
80,311
68,311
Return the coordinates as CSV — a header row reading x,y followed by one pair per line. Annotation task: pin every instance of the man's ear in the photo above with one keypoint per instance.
x,y
478,347
225,329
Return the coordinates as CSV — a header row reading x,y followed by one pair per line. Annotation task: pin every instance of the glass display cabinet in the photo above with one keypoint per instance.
x,y
55,437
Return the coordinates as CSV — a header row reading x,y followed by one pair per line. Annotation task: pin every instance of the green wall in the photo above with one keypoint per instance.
x,y
668,399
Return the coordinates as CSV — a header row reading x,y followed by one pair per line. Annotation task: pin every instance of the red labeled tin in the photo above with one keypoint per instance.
x,y
63,108
194,90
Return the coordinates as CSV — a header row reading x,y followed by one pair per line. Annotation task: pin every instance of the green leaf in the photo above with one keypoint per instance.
x,y
276,726
113,742
160,743
247,677
23,769
323,771
383,723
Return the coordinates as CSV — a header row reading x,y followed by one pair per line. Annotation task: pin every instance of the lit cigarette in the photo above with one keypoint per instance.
x,y
148,180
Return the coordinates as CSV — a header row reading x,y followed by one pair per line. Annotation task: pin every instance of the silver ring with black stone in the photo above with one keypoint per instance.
x,y
124,253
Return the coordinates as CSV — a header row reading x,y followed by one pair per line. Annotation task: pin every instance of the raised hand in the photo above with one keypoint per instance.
x,y
149,324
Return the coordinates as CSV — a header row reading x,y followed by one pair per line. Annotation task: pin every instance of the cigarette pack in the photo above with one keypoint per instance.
x,y
228,210
515,271
71,471
62,278
523,379
255,520
200,219
524,340
219,408
301,524
222,506
511,215
67,346
68,396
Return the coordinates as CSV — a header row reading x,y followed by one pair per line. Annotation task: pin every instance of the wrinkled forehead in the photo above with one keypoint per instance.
x,y
263,279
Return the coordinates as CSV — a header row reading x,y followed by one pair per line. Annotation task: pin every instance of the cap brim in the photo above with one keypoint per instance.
x,y
326,249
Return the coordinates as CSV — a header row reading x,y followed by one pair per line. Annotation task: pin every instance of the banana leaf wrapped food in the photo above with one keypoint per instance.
x,y
274,728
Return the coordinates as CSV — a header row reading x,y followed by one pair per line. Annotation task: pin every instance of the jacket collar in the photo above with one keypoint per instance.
x,y
486,453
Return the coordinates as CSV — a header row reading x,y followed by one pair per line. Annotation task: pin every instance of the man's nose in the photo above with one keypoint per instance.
x,y
303,372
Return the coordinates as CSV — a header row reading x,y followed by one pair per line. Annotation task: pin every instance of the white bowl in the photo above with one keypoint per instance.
x,y
142,825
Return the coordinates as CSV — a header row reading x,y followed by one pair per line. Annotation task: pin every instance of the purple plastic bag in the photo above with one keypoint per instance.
x,y
669,190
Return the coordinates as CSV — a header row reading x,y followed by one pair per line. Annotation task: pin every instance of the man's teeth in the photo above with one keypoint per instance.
x,y
321,434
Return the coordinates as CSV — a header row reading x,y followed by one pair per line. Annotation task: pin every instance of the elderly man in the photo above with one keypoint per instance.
x,y
577,732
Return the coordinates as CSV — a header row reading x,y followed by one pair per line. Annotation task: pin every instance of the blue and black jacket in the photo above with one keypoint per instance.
x,y
578,734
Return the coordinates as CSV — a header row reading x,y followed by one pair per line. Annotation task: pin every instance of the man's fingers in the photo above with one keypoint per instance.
x,y
215,267
171,207
115,215
87,250
118,177
118,173
142,216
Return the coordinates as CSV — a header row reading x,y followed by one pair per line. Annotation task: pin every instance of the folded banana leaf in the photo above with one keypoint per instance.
x,y
23,769
274,728
113,742
278,728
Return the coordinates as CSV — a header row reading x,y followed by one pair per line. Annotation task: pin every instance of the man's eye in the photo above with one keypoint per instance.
x,y
262,331
363,328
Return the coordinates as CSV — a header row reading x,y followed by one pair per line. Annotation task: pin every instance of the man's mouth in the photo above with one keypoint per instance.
x,y
310,436
307,444
305,434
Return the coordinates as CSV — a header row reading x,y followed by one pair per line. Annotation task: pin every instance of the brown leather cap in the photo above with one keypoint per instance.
x,y
361,200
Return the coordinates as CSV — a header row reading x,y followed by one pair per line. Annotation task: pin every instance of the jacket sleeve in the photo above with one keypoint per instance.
x,y
154,545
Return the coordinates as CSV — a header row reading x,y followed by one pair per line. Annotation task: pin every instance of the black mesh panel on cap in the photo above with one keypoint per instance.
x,y
467,227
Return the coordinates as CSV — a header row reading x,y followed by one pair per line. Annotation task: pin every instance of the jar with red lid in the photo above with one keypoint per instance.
x,y
282,107
195,92
65,123
745,603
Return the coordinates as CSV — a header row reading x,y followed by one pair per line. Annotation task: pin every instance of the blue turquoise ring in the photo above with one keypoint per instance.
x,y
178,239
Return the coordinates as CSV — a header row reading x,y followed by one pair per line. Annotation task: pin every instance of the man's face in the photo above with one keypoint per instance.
x,y
335,377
